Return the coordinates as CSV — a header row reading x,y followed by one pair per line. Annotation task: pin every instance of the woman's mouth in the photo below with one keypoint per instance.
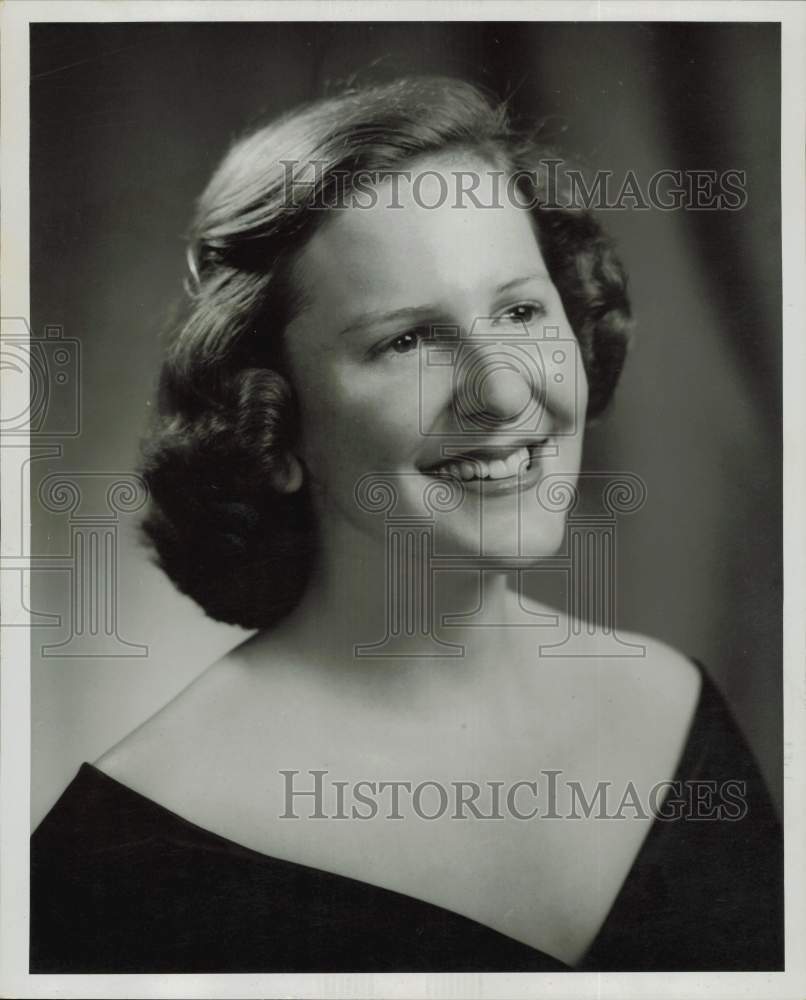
x,y
490,463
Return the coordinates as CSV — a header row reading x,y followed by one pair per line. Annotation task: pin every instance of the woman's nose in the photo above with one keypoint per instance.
x,y
503,392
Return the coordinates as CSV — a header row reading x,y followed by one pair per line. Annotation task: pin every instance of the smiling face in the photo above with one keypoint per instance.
x,y
434,348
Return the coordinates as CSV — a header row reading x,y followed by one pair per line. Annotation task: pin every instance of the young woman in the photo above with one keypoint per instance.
x,y
390,298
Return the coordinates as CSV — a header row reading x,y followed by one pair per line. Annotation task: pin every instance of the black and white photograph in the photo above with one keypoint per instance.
x,y
402,494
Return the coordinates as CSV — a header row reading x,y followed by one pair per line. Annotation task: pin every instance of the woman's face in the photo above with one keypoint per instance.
x,y
433,349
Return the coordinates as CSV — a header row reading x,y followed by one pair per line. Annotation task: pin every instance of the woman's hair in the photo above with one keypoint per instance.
x,y
222,531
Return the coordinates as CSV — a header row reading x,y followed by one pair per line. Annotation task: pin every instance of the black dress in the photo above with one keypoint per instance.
x,y
121,884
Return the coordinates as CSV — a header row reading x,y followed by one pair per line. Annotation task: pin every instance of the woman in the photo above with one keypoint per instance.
x,y
379,285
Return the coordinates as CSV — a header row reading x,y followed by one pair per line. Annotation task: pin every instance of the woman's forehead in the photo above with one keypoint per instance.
x,y
405,235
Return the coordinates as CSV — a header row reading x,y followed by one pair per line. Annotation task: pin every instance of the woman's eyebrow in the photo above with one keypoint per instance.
x,y
416,314
525,279
419,314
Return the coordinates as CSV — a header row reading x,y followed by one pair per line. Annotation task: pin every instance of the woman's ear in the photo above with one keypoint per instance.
x,y
289,475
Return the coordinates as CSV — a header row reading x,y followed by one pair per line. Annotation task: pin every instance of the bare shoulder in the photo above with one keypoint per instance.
x,y
643,689
176,737
207,754
664,674
652,692
629,662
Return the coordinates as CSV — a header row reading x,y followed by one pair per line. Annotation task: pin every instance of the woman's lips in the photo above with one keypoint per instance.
x,y
501,469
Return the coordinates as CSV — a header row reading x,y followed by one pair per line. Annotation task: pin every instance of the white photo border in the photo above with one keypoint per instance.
x,y
16,16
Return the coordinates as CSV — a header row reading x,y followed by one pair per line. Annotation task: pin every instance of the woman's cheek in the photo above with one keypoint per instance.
x,y
363,416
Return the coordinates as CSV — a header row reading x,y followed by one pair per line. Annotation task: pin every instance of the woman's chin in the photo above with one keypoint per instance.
x,y
509,545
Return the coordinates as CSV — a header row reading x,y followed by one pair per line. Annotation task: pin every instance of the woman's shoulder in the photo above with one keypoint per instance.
x,y
635,695
628,672
179,746
652,671
654,688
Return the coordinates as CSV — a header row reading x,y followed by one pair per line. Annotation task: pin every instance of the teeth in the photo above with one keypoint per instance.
x,y
495,468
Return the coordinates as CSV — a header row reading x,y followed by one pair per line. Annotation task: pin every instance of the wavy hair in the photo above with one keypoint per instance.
x,y
227,416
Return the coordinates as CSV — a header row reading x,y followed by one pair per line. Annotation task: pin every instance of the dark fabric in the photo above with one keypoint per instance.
x,y
120,884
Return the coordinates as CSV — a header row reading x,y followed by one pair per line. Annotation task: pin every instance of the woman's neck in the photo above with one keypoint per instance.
x,y
369,599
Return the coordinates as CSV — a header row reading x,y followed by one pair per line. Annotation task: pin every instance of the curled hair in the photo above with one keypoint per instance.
x,y
227,416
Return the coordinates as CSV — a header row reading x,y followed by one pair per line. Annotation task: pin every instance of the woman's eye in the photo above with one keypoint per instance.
x,y
406,342
526,312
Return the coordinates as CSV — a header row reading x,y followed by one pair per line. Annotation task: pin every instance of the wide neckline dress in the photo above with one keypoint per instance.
x,y
122,884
